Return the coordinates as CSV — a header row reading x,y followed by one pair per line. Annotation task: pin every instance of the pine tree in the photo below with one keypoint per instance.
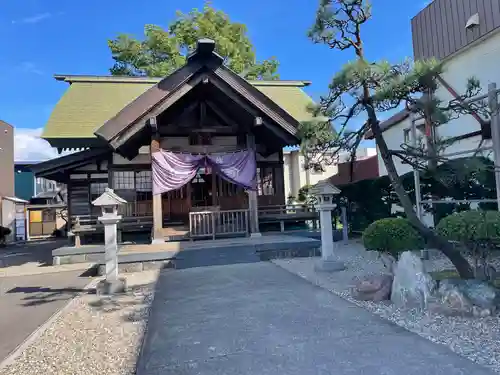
x,y
368,88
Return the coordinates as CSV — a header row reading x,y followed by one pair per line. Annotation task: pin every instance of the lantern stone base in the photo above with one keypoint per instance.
x,y
329,265
110,287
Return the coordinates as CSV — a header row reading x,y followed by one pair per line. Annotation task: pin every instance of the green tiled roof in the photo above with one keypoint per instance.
x,y
91,100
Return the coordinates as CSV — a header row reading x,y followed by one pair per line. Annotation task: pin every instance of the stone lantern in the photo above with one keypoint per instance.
x,y
109,202
325,194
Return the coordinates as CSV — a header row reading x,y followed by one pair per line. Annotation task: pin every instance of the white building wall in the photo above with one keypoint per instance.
x,y
480,60
296,176
394,138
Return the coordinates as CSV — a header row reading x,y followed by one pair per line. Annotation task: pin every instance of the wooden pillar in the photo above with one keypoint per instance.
x,y
252,197
157,199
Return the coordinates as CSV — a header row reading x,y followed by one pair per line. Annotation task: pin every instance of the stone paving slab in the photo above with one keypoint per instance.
x,y
260,319
194,253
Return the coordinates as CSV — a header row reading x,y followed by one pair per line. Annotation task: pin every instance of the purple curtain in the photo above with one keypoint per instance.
x,y
173,170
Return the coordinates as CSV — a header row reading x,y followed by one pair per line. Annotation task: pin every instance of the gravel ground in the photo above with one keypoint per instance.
x,y
93,336
475,338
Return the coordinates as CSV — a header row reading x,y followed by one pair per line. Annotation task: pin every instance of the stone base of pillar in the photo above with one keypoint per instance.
x,y
107,287
329,265
156,241
255,235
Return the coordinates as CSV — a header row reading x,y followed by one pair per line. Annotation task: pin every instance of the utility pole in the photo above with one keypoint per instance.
x,y
416,175
495,134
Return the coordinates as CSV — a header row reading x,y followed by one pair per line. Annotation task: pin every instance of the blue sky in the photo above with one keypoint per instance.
x,y
40,38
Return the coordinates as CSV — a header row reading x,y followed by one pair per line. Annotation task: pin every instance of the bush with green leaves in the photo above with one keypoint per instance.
x,y
392,236
474,226
4,232
478,231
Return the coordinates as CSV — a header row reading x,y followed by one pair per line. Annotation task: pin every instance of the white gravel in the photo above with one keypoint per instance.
x,y
475,338
93,336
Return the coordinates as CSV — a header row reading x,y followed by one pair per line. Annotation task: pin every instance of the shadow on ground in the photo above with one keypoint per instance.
x,y
39,295
133,305
42,295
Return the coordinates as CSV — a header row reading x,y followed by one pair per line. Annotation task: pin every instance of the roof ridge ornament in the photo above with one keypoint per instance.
x,y
205,47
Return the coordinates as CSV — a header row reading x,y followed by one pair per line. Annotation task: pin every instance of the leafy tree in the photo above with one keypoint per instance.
x,y
163,51
368,88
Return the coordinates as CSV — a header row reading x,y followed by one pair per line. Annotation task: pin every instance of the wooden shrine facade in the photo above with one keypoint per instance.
x,y
202,108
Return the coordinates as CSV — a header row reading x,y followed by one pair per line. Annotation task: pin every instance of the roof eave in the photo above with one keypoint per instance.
x,y
389,123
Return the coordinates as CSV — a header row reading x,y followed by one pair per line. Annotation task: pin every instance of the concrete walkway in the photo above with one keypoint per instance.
x,y
260,319
27,301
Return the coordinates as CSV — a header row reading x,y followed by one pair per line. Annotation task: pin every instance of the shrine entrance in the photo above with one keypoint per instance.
x,y
202,189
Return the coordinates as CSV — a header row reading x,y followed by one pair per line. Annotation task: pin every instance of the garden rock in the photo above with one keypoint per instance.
x,y
374,288
451,302
466,298
412,286
480,293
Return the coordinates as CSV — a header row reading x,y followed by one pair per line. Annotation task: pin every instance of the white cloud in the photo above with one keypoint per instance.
x,y
34,19
28,146
30,67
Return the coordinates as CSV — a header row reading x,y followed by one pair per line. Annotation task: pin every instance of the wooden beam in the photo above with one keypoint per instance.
x,y
215,108
153,124
155,136
203,114
252,197
176,122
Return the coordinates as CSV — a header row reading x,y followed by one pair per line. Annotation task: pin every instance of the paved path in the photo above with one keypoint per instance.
x,y
260,319
26,302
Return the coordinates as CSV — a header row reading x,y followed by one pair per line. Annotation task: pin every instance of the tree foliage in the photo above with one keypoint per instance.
x,y
392,236
471,227
365,89
164,50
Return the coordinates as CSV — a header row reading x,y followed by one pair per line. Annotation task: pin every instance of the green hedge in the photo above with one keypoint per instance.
x,y
393,236
471,226
461,179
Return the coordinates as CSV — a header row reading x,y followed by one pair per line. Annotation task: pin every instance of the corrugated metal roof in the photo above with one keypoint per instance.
x,y
91,101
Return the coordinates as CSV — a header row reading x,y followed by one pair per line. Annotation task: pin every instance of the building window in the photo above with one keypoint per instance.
x,y
96,189
134,185
144,185
144,181
406,136
265,181
124,180
49,215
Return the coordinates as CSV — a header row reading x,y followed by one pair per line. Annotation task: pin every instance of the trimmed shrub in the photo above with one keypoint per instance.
x,y
479,232
473,226
392,236
4,232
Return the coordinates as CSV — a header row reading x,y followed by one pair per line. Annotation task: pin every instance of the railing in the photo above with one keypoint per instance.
x,y
288,213
287,209
218,223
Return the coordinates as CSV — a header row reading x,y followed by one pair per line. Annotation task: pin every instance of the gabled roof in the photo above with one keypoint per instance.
x,y
202,78
91,101
54,168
